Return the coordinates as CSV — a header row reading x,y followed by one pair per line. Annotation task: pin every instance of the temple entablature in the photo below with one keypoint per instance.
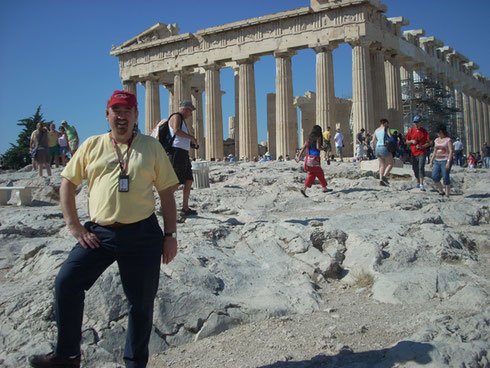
x,y
383,55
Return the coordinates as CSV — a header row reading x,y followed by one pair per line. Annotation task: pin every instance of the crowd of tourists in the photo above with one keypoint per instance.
x,y
48,146
384,144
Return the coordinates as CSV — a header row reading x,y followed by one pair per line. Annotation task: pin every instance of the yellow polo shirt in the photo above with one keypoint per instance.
x,y
96,160
326,135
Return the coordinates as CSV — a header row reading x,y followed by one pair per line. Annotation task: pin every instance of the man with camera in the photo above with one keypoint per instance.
x,y
179,154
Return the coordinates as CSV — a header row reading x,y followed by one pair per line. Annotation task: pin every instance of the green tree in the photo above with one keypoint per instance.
x,y
17,156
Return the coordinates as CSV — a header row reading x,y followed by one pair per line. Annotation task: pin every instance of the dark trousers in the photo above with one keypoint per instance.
x,y
418,165
458,157
137,249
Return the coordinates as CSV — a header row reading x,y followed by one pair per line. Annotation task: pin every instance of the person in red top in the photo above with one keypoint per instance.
x,y
419,142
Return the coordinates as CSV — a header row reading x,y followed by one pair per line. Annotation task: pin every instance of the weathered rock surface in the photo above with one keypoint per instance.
x,y
363,276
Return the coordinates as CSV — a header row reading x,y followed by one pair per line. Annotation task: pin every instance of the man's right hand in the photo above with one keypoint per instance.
x,y
84,237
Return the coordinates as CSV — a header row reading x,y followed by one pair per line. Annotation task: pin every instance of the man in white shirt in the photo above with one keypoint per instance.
x,y
339,144
458,152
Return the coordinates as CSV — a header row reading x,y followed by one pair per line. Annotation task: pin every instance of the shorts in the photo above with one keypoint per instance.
x,y
179,158
338,150
327,146
54,151
382,152
439,171
73,143
63,150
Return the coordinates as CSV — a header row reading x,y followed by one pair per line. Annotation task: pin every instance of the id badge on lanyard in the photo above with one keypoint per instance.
x,y
123,184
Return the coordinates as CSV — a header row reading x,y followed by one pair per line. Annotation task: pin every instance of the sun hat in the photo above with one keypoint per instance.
x,y
186,104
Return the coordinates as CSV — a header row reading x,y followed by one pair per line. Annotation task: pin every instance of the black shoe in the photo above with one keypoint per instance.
x,y
53,360
188,212
382,183
327,190
385,180
303,192
441,193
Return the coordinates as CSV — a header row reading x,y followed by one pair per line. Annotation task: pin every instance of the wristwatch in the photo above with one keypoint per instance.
x,y
173,235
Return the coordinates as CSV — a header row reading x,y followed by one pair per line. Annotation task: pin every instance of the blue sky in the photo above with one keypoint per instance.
x,y
55,53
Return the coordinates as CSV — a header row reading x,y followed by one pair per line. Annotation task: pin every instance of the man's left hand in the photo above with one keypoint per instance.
x,y
169,249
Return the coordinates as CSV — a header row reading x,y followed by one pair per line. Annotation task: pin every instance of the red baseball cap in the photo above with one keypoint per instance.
x,y
122,98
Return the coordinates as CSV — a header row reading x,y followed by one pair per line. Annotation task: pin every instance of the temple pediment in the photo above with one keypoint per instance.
x,y
156,32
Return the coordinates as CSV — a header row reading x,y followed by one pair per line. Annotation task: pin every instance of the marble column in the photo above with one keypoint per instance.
x,y
467,123
362,91
171,107
236,124
393,91
474,123
271,124
480,139
197,119
130,86
182,92
152,104
214,113
307,106
486,122
458,104
325,87
286,119
248,143
378,76
406,76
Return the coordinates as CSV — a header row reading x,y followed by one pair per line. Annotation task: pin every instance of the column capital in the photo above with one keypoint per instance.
x,y
327,47
359,42
248,60
212,66
377,46
150,77
284,54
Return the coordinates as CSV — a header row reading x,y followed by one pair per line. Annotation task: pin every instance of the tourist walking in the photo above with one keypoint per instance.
x,y
442,159
72,135
40,150
360,144
385,157
327,144
179,154
54,147
339,144
122,168
486,155
312,164
419,141
458,152
63,142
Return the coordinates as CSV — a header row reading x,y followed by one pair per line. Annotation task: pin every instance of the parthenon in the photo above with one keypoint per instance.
x,y
395,74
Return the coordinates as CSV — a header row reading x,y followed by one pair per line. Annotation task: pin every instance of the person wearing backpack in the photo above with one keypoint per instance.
x,y
179,152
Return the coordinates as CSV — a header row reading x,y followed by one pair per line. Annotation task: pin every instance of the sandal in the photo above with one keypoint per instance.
x,y
188,212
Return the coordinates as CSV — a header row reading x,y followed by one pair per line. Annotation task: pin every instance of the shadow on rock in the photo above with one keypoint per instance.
x,y
403,352
306,222
352,190
484,195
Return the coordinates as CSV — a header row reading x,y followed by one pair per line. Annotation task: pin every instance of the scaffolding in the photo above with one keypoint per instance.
x,y
433,102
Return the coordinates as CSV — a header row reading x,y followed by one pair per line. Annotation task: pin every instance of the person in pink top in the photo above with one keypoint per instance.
x,y
441,160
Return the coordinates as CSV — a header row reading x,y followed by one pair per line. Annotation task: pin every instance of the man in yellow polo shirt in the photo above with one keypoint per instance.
x,y
121,168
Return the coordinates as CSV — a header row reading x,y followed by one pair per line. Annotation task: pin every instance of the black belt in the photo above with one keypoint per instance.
x,y
115,225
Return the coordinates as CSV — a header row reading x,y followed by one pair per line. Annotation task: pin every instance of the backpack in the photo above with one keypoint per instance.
x,y
389,142
162,133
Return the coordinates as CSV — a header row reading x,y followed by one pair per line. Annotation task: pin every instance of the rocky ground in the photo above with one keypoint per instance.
x,y
365,276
